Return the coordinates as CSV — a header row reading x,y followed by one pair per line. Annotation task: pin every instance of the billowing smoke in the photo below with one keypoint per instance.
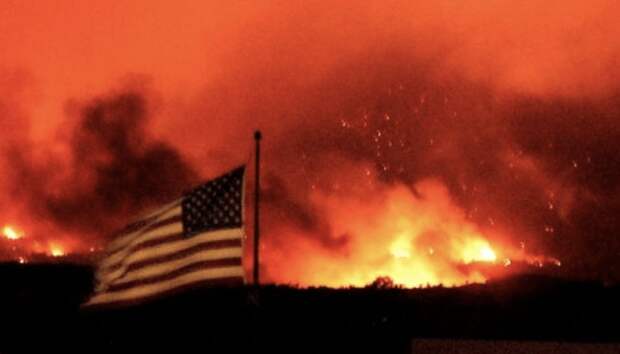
x,y
107,169
397,135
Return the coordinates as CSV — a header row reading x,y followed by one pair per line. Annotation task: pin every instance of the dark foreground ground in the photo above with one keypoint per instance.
x,y
39,312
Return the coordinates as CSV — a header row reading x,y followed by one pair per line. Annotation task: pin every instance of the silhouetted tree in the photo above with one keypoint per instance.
x,y
382,282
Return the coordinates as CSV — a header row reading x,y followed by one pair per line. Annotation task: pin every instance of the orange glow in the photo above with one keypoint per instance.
x,y
56,251
433,105
416,240
478,250
400,248
21,248
11,233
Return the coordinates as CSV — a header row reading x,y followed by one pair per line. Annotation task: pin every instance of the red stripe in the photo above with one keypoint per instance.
x,y
171,220
137,225
177,236
207,245
175,273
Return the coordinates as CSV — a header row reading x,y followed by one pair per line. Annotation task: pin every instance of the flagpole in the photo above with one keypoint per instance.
x,y
257,138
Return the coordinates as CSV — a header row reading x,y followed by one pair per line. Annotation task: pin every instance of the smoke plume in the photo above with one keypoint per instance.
x,y
401,138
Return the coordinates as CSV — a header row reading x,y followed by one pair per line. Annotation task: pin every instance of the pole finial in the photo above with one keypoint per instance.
x,y
258,135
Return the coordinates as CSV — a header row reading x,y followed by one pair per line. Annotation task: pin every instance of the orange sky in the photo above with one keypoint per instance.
x,y
76,49
413,89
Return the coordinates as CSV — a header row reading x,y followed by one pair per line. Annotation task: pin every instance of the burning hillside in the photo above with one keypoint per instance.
x,y
424,141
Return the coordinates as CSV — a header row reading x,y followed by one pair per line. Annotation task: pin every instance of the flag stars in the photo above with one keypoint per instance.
x,y
215,205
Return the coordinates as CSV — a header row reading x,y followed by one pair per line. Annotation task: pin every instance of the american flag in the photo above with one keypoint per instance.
x,y
196,240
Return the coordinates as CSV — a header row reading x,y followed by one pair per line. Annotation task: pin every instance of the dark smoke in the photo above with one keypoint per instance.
x,y
112,171
544,170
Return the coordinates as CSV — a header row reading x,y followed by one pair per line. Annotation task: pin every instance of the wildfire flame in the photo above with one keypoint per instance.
x,y
56,251
24,250
11,233
478,250
415,238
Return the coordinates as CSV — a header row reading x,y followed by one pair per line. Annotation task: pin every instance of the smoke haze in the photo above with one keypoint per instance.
x,y
489,120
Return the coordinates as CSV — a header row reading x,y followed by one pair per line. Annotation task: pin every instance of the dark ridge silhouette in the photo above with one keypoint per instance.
x,y
40,306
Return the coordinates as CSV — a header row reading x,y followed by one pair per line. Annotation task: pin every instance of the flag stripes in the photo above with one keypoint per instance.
x,y
223,244
175,244
127,236
207,249
150,239
196,264
157,254
219,276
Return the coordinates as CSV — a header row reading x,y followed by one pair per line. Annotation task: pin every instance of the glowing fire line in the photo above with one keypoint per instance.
x,y
11,233
56,251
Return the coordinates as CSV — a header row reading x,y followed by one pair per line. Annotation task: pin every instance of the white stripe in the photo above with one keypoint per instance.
x,y
160,269
149,214
156,288
155,234
107,275
125,240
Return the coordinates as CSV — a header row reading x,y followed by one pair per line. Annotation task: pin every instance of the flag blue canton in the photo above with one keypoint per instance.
x,y
214,205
